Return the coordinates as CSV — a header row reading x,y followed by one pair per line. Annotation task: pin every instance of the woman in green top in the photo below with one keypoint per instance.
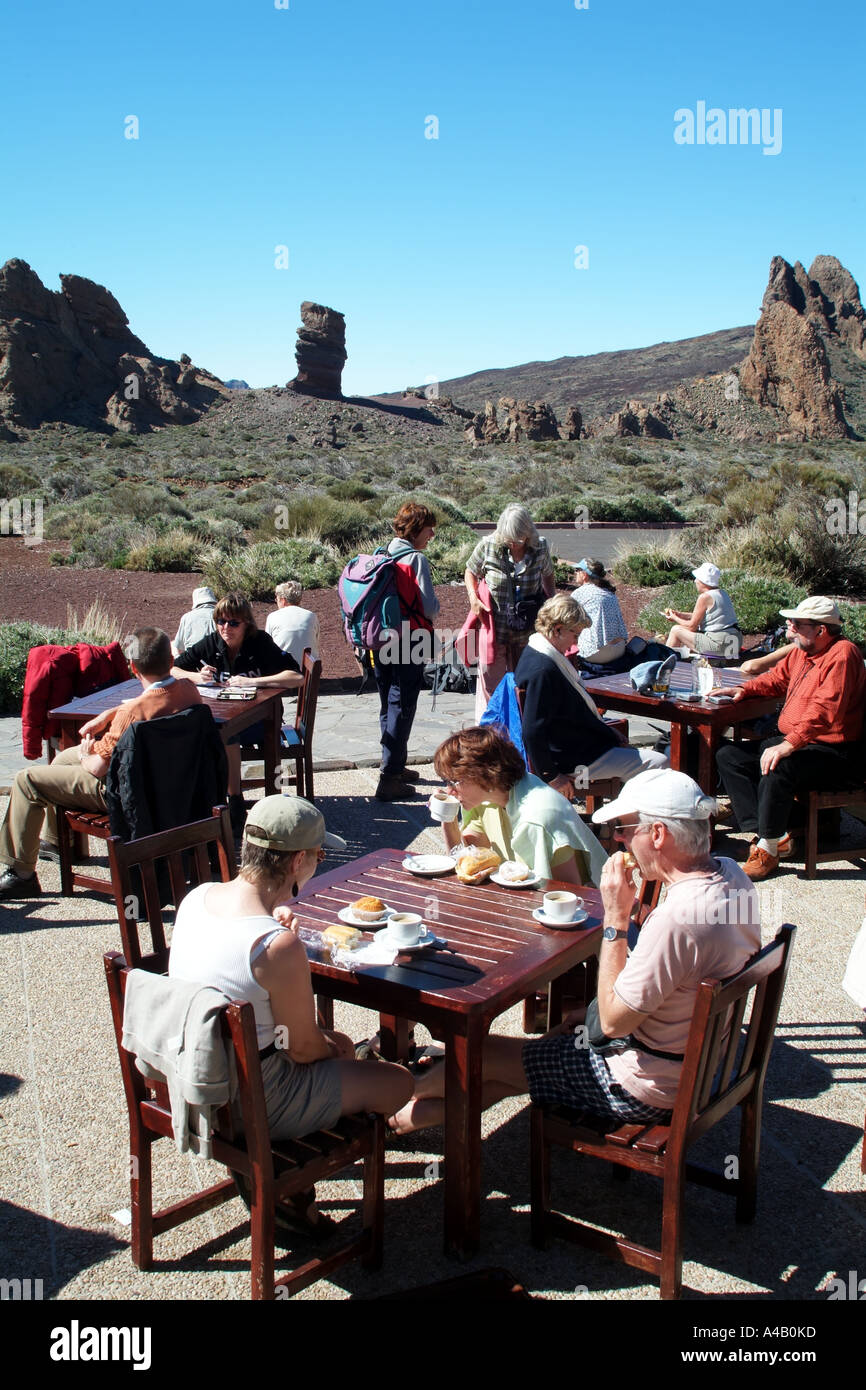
x,y
512,811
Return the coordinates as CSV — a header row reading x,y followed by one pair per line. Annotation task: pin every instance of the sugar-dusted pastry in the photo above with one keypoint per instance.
x,y
347,937
475,863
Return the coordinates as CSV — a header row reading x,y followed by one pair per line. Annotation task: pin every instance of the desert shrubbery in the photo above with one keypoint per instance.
x,y
257,569
16,639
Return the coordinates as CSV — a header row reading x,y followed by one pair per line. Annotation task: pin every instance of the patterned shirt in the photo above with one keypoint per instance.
x,y
493,563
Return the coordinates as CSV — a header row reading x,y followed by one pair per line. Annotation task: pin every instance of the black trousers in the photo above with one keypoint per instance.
x,y
399,687
763,802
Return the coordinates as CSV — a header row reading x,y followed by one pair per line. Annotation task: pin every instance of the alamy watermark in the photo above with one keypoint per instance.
x,y
736,126
846,518
21,1290
22,516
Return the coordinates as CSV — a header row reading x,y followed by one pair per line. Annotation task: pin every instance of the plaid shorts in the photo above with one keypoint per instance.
x,y
560,1073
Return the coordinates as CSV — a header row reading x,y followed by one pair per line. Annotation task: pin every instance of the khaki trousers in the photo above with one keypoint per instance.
x,y
35,792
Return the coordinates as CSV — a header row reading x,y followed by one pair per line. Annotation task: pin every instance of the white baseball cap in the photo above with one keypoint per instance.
x,y
708,574
814,609
659,792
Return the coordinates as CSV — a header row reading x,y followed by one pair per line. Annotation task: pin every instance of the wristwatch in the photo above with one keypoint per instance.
x,y
613,933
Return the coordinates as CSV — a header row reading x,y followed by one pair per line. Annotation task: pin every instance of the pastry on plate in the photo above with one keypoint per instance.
x,y
513,871
368,909
347,937
475,863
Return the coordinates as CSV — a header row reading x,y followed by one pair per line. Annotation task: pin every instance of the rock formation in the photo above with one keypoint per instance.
x,y
788,368
519,420
320,352
70,356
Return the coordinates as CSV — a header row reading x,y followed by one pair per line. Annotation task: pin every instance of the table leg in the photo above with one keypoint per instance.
x,y
393,1037
708,746
679,748
463,1058
271,745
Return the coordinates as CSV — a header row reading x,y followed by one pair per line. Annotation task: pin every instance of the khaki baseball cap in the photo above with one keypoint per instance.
x,y
659,792
814,609
287,824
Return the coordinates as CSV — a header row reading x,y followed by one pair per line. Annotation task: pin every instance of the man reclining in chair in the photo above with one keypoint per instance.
x,y
818,745
76,777
707,926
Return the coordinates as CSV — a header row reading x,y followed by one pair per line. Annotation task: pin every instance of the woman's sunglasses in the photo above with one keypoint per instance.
x,y
228,622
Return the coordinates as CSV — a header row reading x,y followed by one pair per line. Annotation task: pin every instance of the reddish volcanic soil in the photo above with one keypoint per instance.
x,y
31,588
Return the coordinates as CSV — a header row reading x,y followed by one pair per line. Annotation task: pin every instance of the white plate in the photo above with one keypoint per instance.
x,y
428,939
529,882
429,864
540,916
347,915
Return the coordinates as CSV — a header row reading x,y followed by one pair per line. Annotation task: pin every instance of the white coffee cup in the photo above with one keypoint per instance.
x,y
405,928
443,807
559,906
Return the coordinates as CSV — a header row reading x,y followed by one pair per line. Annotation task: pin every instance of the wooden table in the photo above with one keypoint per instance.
x,y
231,715
707,718
496,955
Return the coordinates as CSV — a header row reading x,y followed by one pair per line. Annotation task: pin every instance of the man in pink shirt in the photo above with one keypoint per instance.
x,y
818,745
707,926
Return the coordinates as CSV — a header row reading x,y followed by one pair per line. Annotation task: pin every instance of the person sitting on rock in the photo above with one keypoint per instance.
x,y
711,627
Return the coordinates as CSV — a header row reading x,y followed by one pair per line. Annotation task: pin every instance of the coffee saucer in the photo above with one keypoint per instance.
x,y
347,915
427,939
541,916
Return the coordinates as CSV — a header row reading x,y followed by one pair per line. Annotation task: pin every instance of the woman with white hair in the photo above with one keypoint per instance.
x,y
516,567
712,624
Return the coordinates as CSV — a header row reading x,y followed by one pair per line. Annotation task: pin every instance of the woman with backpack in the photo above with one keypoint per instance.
x,y
399,682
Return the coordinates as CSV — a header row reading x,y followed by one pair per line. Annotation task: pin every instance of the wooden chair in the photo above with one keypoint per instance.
x,y
300,1162
722,1068
190,739
146,873
816,802
296,740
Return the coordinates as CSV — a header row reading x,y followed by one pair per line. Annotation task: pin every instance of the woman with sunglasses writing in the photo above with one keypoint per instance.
x,y
236,654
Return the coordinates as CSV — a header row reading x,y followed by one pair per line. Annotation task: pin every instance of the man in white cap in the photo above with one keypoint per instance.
x,y
707,926
197,623
818,747
712,624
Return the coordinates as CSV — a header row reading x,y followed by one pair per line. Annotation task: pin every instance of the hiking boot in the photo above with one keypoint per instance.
x,y
11,886
393,789
760,864
410,774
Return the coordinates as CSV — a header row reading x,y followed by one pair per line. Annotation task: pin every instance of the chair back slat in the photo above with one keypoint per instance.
x,y
734,1026
705,1091
166,864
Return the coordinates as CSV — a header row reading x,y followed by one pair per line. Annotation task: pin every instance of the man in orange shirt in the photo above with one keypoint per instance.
x,y
76,778
818,746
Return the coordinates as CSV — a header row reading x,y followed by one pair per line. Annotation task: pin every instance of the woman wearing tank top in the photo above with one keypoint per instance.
x,y
242,938
712,625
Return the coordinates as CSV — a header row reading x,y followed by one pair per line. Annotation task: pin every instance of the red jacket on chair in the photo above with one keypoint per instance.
x,y
57,674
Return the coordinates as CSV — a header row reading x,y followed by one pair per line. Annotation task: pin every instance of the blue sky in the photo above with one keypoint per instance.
x,y
305,127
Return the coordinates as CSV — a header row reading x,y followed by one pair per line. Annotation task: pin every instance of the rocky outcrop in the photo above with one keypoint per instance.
x,y
70,356
320,352
510,421
788,368
636,419
572,424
